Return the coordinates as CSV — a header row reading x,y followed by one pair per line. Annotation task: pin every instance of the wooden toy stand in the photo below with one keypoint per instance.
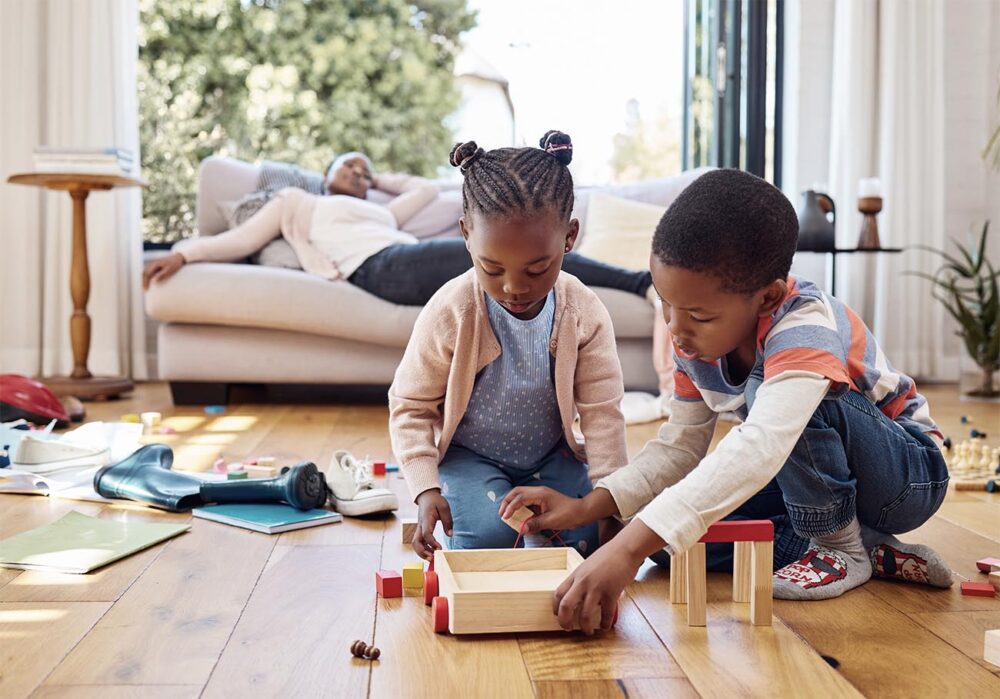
x,y
753,557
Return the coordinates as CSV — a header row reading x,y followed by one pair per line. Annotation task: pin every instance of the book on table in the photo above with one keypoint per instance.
x,y
267,518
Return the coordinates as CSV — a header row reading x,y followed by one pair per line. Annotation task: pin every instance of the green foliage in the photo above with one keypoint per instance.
x,y
967,288
290,80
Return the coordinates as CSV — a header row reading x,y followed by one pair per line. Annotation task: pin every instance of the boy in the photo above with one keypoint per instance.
x,y
846,438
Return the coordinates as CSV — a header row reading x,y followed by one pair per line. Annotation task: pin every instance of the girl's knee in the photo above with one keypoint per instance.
x,y
485,535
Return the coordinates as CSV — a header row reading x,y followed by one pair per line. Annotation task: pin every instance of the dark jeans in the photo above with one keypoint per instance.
x,y
410,274
851,460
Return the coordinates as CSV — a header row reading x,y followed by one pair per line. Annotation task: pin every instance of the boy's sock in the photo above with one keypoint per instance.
x,y
916,563
833,564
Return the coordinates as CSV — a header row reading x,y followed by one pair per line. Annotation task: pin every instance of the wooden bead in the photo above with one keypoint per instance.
x,y
358,649
373,653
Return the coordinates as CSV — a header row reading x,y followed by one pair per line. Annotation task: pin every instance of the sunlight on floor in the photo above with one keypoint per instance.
x,y
20,616
231,423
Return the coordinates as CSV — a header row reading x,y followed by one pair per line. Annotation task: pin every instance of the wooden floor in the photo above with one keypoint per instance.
x,y
223,612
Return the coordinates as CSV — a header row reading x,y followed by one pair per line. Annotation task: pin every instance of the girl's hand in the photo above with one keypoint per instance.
x,y
432,508
162,268
553,509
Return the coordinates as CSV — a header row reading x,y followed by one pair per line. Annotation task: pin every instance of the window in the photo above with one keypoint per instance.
x,y
733,83
610,75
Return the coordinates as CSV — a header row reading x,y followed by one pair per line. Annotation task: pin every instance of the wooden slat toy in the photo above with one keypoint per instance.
x,y
753,558
497,590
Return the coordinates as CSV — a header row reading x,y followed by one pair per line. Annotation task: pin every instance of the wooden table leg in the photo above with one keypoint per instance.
x,y
79,285
761,600
741,571
678,579
696,584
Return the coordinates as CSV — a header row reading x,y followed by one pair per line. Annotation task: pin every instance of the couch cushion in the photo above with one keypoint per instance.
x,y
280,299
620,231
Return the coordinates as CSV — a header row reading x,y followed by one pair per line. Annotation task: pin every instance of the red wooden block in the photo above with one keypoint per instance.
x,y
739,530
378,468
390,583
978,589
985,564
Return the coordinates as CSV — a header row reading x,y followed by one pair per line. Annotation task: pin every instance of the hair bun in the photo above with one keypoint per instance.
x,y
464,154
558,144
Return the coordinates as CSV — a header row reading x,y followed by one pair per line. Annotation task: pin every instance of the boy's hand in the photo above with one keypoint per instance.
x,y
588,597
162,268
553,509
432,508
557,511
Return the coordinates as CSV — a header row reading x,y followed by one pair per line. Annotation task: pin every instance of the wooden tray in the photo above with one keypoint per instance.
x,y
497,590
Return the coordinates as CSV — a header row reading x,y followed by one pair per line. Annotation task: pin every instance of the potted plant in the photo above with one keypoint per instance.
x,y
968,289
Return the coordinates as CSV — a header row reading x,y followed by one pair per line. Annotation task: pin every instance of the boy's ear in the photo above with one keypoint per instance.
x,y
571,233
771,297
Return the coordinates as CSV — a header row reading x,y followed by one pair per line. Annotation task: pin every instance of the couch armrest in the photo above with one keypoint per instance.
x,y
221,179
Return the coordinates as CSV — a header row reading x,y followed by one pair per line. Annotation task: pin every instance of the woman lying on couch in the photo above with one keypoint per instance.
x,y
344,236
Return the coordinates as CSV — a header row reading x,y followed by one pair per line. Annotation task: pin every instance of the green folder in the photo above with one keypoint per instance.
x,y
79,544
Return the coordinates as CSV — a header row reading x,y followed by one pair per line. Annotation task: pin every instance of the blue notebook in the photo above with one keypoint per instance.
x,y
265,517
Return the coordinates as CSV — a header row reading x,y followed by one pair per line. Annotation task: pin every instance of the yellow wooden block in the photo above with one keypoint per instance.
x,y
413,575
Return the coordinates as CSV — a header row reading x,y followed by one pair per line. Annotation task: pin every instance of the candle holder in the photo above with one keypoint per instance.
x,y
869,206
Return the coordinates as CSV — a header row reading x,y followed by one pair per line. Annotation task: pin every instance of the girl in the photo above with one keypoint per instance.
x,y
343,236
504,357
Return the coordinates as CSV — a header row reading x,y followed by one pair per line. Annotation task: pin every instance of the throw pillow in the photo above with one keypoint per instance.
x,y
620,231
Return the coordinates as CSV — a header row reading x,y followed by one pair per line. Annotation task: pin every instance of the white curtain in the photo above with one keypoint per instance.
x,y
888,122
68,78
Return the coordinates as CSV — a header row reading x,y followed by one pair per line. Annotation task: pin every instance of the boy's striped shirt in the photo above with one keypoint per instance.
x,y
810,333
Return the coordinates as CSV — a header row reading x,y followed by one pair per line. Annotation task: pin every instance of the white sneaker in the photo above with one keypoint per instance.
x,y
638,407
354,491
43,456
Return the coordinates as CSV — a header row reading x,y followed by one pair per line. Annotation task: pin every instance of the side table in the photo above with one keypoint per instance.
x,y
81,383
846,251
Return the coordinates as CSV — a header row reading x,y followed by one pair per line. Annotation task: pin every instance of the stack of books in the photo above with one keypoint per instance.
x,y
89,161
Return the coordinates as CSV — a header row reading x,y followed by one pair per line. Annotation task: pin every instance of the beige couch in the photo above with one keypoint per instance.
x,y
225,324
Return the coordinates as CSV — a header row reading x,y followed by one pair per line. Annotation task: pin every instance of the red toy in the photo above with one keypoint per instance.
x,y
739,530
389,583
21,397
986,564
975,589
378,468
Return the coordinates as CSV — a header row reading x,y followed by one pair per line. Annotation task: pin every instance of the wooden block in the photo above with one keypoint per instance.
x,y
389,583
378,468
977,589
742,553
739,530
761,598
267,462
697,588
991,647
409,528
987,565
678,579
517,520
413,575
261,471
995,580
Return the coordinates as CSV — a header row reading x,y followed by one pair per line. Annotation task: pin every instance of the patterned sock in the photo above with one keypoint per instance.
x,y
832,565
915,563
